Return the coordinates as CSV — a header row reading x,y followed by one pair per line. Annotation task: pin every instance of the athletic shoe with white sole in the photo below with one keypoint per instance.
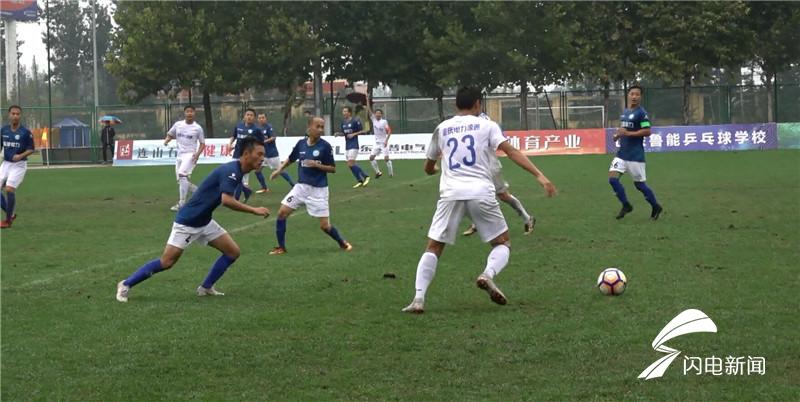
x,y
471,230
122,292
416,307
201,291
494,292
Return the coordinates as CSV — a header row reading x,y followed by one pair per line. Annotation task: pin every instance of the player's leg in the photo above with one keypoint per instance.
x,y
9,203
376,150
3,179
492,228
317,206
178,162
639,176
274,163
443,229
388,164
360,176
16,174
172,253
514,202
294,200
617,168
260,176
230,252
330,230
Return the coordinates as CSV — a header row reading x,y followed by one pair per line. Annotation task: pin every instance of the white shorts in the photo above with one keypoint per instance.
x,y
379,149
182,236
351,154
484,213
184,165
314,198
12,173
274,163
500,185
635,169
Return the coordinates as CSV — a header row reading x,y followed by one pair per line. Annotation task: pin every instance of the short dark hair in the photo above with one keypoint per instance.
x,y
188,107
379,110
632,87
349,109
249,143
466,97
15,107
250,110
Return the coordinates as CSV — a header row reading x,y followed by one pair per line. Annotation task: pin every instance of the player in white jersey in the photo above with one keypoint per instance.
x,y
382,132
501,187
188,135
467,146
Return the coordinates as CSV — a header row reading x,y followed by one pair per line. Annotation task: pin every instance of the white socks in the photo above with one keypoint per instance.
x,y
375,167
389,168
183,189
498,259
192,187
514,202
426,269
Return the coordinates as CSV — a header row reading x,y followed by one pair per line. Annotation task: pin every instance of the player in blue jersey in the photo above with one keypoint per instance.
x,y
271,156
17,146
244,129
351,129
634,126
194,223
315,157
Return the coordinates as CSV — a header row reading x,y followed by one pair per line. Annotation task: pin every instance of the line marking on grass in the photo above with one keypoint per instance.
x,y
51,278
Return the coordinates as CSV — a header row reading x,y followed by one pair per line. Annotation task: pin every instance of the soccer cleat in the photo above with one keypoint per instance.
x,y
471,230
494,292
346,246
201,291
529,225
626,209
378,175
175,207
277,250
416,307
657,210
359,184
366,181
122,292
262,191
5,224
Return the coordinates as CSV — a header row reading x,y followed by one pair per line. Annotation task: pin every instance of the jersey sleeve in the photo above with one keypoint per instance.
x,y
201,134
327,156
173,131
496,136
433,148
295,152
233,132
358,126
644,119
228,184
28,145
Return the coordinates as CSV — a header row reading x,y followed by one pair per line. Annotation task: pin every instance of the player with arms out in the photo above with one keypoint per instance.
x,y
504,194
272,157
17,146
467,146
315,157
191,143
634,126
382,131
244,129
351,129
194,223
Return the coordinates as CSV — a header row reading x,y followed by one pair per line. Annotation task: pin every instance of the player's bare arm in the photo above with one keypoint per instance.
x,y
280,169
525,163
19,157
199,152
230,202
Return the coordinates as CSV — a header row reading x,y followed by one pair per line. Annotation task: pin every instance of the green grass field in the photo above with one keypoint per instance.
x,y
319,324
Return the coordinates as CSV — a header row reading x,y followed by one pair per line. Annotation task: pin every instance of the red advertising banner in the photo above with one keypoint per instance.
x,y
559,142
124,150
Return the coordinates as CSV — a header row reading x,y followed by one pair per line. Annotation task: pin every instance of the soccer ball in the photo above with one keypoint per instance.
x,y
612,282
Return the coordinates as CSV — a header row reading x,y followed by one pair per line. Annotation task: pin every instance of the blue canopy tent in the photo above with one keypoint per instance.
x,y
74,133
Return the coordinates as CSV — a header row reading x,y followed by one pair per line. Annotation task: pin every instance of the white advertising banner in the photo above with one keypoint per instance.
x,y
153,152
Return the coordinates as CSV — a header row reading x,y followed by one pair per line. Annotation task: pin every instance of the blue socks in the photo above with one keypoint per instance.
x,y
238,192
355,170
217,270
12,200
280,232
648,193
145,271
287,178
3,202
260,177
334,234
618,189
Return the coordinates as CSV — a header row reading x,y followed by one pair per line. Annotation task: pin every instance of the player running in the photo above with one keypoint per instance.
x,y
634,126
272,157
17,146
382,131
188,134
244,129
467,146
351,129
316,161
193,223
